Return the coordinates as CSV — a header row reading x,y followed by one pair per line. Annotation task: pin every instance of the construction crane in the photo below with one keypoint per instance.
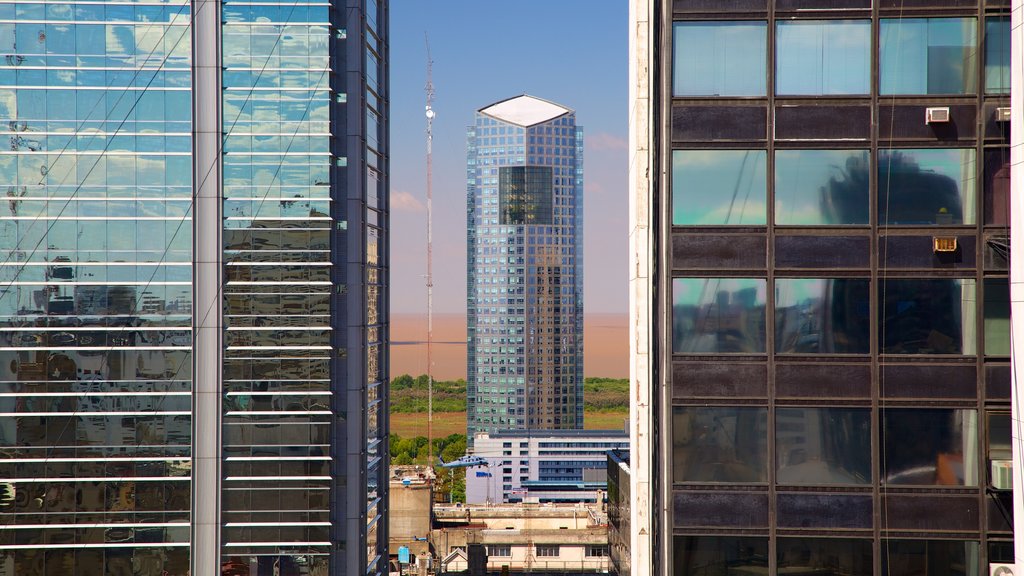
x,y
430,251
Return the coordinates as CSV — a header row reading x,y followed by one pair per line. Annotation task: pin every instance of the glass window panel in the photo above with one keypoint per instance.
x,y
719,444
719,58
822,187
823,446
929,56
718,315
820,57
997,55
719,555
716,187
997,317
913,557
822,316
929,447
997,187
918,187
927,316
831,556
999,436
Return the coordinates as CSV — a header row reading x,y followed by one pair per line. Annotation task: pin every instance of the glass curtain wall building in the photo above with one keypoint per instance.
x,y
525,267
193,287
829,313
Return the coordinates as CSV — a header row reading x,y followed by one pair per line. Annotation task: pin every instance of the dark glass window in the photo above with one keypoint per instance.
x,y
997,55
822,187
718,315
926,187
946,557
524,195
929,56
929,447
823,446
999,450
716,187
927,316
719,555
997,317
719,58
719,444
824,556
997,187
822,316
822,57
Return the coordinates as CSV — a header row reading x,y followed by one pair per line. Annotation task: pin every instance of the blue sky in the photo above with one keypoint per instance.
x,y
573,52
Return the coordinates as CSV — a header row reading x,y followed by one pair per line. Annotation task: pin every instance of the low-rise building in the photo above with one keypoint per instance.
x,y
619,502
411,492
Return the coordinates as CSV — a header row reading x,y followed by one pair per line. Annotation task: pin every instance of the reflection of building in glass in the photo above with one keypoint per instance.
x,y
525,267
821,354
123,119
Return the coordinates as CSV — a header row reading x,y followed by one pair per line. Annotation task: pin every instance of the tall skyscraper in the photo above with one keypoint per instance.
x,y
524,210
819,225
193,288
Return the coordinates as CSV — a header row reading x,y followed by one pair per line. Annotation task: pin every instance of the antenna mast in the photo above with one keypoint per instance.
x,y
430,254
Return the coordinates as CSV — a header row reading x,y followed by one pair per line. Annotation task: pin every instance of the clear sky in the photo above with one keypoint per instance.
x,y
573,52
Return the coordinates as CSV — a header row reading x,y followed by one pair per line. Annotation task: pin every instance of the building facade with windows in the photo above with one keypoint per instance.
x,y
193,288
524,210
819,234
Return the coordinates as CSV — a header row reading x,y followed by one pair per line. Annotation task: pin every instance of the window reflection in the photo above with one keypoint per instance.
x,y
1000,450
718,315
997,55
928,56
823,446
719,555
913,557
997,187
722,444
926,187
716,187
825,556
929,447
719,58
822,187
821,57
997,317
927,316
822,316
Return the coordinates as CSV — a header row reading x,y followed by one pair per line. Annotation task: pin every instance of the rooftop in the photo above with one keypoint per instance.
x,y
560,434
525,110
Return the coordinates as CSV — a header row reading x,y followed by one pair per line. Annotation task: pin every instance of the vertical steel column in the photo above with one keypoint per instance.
x,y
207,280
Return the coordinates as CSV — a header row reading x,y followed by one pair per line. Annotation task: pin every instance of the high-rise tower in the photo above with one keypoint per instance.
x,y
525,267
193,294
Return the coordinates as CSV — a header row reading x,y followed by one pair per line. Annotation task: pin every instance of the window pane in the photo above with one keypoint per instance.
x,y
929,56
913,557
825,556
927,316
997,186
823,445
819,57
944,450
719,58
720,444
718,315
716,187
827,187
997,317
719,555
926,186
997,55
822,316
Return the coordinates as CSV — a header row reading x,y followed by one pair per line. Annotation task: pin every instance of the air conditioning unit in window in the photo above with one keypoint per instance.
x,y
1000,569
936,115
1002,474
1003,114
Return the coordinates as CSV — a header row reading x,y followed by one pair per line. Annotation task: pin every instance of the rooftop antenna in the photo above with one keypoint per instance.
x,y
430,253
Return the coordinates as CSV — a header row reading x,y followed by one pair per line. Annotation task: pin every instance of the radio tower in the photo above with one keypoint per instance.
x,y
430,254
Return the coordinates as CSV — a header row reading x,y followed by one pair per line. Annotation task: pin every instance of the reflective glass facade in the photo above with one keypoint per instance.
x,y
97,287
525,268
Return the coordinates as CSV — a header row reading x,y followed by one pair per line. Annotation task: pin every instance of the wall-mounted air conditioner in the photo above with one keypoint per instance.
x,y
1000,569
1003,114
936,115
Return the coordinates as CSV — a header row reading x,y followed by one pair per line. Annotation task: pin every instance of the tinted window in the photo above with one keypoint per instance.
x,y
819,57
822,187
997,186
715,187
825,556
929,447
927,316
913,557
713,555
719,58
922,187
997,317
822,316
929,56
524,194
720,444
997,55
999,436
823,445
718,315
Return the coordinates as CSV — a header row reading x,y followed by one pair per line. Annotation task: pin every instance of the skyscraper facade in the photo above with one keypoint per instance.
x,y
193,288
819,231
524,209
